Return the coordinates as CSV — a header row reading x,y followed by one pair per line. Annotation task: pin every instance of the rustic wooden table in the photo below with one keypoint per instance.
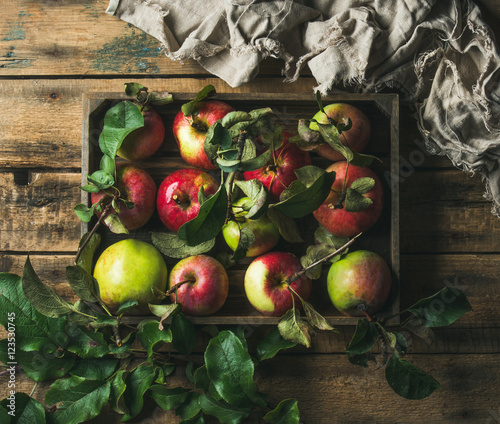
x,y
51,52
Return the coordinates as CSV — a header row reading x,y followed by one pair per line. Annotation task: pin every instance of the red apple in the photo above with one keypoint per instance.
x,y
136,186
279,173
337,220
357,136
190,131
265,232
145,141
177,200
204,287
266,287
131,270
361,280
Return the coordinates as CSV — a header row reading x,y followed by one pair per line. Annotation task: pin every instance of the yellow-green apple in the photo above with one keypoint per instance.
x,y
279,172
135,185
190,131
145,141
333,215
177,201
360,281
131,270
266,283
357,136
202,285
264,231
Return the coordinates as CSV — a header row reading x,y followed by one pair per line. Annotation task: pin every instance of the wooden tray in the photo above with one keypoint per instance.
x,y
383,237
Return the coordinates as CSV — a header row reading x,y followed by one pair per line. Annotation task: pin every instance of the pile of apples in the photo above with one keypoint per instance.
x,y
135,270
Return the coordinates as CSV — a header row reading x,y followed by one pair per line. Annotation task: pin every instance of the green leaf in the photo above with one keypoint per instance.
x,y
209,222
42,297
315,318
172,246
398,342
287,412
199,419
86,258
183,334
86,343
38,366
201,379
225,413
118,387
165,310
27,410
127,306
83,212
258,198
355,201
307,193
132,89
364,337
160,98
363,185
246,239
107,165
150,335
307,138
103,321
191,108
313,254
76,399
34,331
119,121
169,398
293,328
231,369
217,137
286,226
321,235
361,359
83,283
115,224
271,344
442,308
257,162
409,381
94,369
191,406
101,179
137,382
89,188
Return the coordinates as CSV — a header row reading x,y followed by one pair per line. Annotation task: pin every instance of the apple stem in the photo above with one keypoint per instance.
x,y
319,261
174,288
105,213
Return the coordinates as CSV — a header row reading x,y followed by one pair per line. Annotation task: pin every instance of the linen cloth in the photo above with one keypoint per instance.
x,y
440,55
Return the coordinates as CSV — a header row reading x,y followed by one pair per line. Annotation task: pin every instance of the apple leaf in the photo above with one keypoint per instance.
x,y
364,337
307,193
168,398
115,225
256,163
361,359
258,198
90,188
397,342
76,399
355,201
107,165
160,98
257,122
307,139
183,334
217,137
225,413
441,309
83,283
209,222
127,306
164,310
132,89
27,410
363,185
322,235
137,382
150,335
43,298
315,318
117,391
271,344
83,212
191,108
286,226
86,258
94,369
119,121
315,253
409,381
293,328
231,370
172,246
287,412
246,239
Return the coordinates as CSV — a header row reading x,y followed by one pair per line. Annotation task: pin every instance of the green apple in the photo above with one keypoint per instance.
x,y
359,281
131,270
264,231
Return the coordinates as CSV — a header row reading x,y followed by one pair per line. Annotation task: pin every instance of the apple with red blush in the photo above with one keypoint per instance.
x,y
143,142
266,283
279,172
190,131
201,285
356,138
335,215
359,281
177,201
135,185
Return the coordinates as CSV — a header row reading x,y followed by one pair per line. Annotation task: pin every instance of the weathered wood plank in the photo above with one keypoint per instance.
x,y
331,391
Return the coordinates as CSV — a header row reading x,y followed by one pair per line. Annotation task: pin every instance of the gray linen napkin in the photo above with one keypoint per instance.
x,y
439,54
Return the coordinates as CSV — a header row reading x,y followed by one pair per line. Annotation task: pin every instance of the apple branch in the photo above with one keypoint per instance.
x,y
299,274
174,288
